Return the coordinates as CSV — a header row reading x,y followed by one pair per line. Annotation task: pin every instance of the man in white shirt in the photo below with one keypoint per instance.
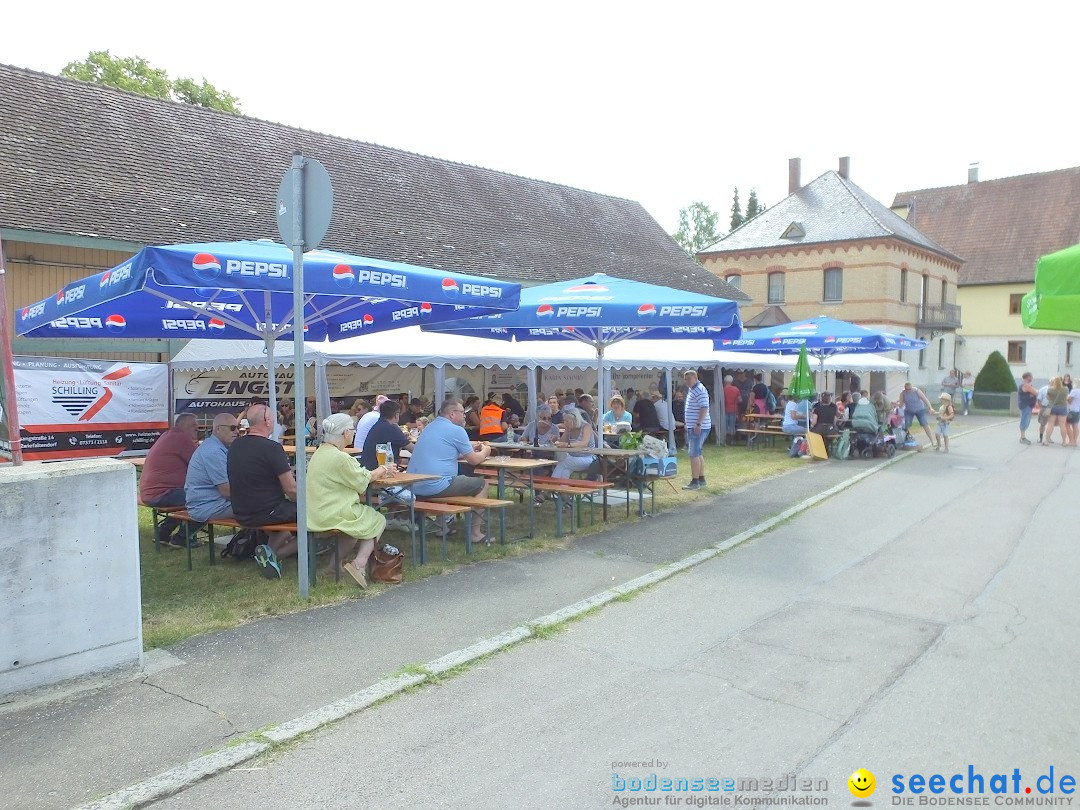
x,y
1044,409
663,410
367,422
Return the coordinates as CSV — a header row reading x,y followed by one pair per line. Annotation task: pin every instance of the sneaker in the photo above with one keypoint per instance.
x,y
1025,441
177,541
693,485
267,561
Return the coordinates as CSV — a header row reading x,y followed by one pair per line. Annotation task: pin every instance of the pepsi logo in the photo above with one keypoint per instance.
x,y
777,340
425,310
450,287
115,323
586,288
25,313
216,323
368,320
104,280
545,311
804,327
206,265
646,309
830,340
60,297
344,275
726,342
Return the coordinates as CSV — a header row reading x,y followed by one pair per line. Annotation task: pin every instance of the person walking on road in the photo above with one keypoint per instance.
x,y
1026,397
1057,397
698,424
967,388
916,406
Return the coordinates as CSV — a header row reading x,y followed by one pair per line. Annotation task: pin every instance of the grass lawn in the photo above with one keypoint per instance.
x,y
178,603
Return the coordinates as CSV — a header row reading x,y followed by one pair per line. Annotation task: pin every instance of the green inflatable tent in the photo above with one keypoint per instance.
x,y
1055,301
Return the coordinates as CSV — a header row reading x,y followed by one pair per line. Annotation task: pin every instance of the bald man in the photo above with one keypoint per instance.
x,y
206,487
262,488
164,471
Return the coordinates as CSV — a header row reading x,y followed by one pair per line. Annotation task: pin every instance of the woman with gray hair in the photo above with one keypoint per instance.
x,y
579,436
542,431
336,483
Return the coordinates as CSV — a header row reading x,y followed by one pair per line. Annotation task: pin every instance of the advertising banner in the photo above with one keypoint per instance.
x,y
229,390
77,408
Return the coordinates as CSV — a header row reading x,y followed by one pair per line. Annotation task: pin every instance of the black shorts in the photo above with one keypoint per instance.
x,y
284,512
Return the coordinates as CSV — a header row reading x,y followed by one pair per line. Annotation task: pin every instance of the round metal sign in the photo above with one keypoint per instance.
x,y
318,204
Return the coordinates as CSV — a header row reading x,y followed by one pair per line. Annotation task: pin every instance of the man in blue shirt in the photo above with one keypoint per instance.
x,y
438,450
206,487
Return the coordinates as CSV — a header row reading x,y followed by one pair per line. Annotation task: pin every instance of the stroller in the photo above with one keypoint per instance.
x,y
870,439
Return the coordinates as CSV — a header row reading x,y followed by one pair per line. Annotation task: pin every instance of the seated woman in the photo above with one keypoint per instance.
x,y
618,415
472,416
794,421
579,437
336,484
823,416
542,430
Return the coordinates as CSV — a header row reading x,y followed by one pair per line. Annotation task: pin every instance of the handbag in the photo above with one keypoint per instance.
x,y
386,565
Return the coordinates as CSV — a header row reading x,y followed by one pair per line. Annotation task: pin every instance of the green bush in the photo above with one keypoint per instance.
x,y
996,376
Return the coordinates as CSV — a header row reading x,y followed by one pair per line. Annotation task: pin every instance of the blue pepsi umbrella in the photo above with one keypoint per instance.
x,y
601,310
245,289
822,337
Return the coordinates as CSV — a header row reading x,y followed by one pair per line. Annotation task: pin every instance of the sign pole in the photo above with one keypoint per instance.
x,y
7,394
302,560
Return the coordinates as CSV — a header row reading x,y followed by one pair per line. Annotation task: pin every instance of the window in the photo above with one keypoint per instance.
x,y
776,288
944,291
1014,303
941,353
735,280
903,286
1017,351
834,284
1068,352
922,358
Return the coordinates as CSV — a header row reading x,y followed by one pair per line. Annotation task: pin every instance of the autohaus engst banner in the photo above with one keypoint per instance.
x,y
77,408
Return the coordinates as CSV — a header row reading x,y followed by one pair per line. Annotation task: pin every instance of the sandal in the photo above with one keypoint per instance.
x,y
357,573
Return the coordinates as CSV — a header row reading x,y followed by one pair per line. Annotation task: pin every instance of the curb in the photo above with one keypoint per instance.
x,y
190,773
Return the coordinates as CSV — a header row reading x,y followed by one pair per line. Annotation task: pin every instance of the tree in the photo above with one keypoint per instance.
x,y
697,228
996,376
136,75
753,207
737,217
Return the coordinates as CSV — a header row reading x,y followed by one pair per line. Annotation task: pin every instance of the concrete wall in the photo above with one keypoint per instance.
x,y
70,594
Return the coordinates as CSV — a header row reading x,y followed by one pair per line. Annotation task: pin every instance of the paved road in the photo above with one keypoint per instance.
x,y
922,621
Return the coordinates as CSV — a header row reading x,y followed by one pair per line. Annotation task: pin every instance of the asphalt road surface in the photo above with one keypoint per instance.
x,y
922,622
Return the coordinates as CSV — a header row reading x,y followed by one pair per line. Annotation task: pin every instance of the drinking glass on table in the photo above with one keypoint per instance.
x,y
384,452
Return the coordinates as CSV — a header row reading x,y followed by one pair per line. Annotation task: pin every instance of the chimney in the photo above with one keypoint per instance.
x,y
973,172
845,168
794,169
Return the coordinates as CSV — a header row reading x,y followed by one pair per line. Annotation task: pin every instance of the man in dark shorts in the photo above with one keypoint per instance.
x,y
263,488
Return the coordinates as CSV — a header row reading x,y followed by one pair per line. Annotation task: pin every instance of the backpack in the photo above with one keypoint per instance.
x,y
242,545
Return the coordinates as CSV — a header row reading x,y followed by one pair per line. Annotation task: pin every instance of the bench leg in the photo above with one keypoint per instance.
x,y
558,515
423,540
210,534
187,542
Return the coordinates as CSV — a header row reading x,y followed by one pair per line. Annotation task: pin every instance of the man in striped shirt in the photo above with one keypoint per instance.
x,y
698,424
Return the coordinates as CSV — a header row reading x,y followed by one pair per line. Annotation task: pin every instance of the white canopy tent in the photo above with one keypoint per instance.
x,y
412,347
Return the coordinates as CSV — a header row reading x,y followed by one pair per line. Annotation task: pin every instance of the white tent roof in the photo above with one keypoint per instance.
x,y
411,346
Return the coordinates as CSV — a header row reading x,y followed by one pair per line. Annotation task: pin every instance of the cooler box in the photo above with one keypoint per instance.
x,y
665,468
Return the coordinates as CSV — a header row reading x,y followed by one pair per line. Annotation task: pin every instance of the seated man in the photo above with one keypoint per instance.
x,y
385,431
645,417
207,484
794,421
263,488
493,421
542,431
164,471
438,450
823,417
367,421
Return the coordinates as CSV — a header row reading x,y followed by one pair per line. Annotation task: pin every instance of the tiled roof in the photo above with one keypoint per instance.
x,y
76,158
1000,227
770,316
829,209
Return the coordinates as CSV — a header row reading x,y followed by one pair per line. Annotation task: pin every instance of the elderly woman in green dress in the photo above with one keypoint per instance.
x,y
336,483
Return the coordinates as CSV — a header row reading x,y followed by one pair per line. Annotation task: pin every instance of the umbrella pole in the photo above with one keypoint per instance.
x,y
298,374
271,373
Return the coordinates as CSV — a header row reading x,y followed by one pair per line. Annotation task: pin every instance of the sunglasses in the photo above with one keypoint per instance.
x,y
232,428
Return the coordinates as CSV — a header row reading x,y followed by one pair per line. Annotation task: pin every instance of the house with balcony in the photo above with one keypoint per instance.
x,y
829,248
1001,227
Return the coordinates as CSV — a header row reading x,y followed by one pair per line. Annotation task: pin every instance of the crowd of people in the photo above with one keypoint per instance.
x,y
1055,405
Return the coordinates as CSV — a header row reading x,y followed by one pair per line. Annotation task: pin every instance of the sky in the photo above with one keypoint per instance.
x,y
663,103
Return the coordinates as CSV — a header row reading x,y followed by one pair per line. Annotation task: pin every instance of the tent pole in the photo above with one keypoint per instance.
x,y
440,387
271,386
669,397
530,380
715,404
718,375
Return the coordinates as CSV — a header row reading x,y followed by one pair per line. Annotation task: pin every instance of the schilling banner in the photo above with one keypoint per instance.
x,y
76,408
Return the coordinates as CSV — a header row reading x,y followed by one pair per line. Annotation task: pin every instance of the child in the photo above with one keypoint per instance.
x,y
945,414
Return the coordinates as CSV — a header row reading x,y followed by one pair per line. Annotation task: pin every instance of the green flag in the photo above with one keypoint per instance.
x,y
802,381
